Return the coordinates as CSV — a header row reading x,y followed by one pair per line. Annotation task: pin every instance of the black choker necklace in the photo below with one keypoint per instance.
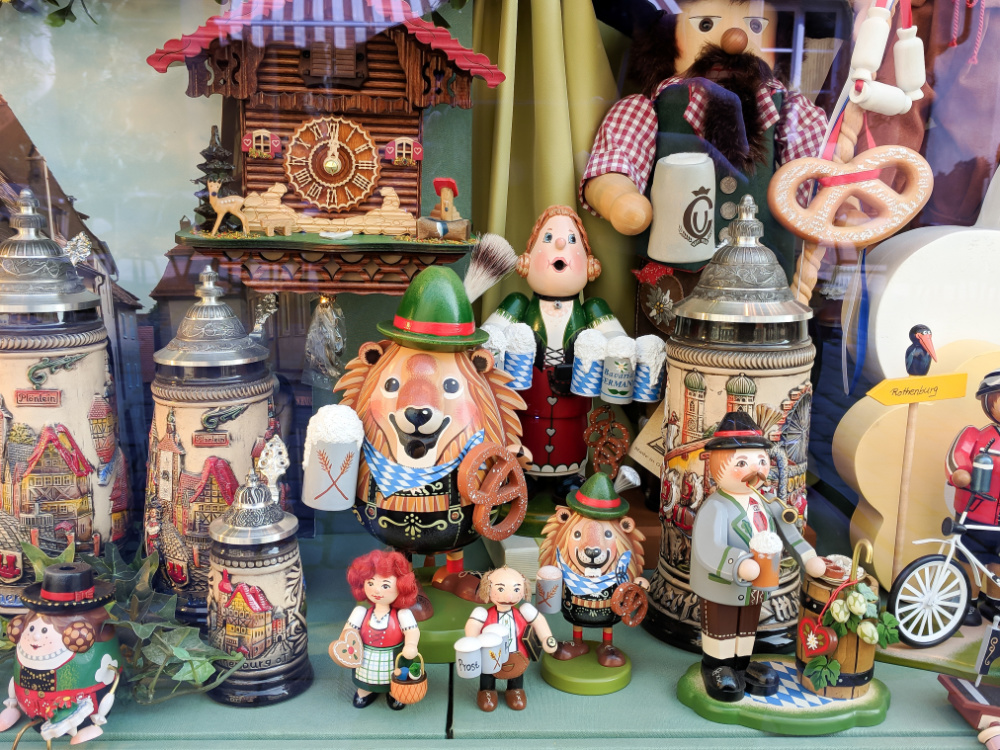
x,y
557,302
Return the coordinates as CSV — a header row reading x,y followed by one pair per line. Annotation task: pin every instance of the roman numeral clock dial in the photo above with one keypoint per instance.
x,y
332,163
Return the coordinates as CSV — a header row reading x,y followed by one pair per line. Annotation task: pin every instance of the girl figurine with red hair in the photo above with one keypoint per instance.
x,y
386,627
557,265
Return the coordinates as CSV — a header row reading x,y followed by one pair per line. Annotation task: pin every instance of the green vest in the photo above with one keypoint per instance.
x,y
79,671
675,135
592,312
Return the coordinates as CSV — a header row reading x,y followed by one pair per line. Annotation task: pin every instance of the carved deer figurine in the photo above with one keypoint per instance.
x,y
231,204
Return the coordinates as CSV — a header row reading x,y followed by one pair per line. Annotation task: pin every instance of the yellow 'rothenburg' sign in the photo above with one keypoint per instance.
x,y
918,388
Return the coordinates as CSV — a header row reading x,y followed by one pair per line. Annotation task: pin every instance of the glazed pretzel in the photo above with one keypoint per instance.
x,y
629,603
609,448
893,209
504,483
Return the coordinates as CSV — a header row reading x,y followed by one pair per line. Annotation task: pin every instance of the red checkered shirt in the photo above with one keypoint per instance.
x,y
626,140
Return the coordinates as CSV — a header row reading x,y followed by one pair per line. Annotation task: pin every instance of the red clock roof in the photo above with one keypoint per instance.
x,y
295,21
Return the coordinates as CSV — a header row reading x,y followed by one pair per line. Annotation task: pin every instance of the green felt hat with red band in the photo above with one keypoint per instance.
x,y
597,498
435,314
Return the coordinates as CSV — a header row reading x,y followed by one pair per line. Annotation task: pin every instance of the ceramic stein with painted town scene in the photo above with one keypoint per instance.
x,y
62,471
213,411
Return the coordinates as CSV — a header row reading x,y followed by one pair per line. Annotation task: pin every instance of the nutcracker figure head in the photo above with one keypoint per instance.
x,y
988,394
738,456
558,261
383,578
731,43
504,586
747,27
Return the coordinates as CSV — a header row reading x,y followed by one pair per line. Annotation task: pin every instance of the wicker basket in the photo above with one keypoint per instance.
x,y
409,691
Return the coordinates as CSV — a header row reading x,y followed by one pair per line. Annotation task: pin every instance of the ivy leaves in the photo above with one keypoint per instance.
x,y
822,671
40,561
159,651
57,17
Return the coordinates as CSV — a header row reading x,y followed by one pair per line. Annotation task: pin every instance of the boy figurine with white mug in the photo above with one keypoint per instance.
x,y
504,588
723,569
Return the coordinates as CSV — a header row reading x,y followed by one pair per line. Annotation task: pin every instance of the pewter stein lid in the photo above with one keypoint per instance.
x,y
36,274
255,517
743,283
211,335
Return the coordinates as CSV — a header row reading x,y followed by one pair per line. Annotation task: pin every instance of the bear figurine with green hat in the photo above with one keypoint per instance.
x,y
598,550
432,401
68,659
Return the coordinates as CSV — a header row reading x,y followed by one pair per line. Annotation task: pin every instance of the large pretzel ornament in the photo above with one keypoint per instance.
x,y
629,603
858,178
504,483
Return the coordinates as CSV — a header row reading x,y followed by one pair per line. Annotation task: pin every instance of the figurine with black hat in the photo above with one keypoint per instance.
x,y
68,659
970,466
735,519
598,549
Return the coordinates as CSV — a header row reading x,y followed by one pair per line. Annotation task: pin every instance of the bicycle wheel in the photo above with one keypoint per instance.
x,y
929,598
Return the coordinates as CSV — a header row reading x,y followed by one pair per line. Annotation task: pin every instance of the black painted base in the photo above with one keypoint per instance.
x,y
251,690
683,636
192,612
672,631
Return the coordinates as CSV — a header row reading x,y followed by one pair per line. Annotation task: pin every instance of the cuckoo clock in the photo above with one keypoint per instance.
x,y
332,162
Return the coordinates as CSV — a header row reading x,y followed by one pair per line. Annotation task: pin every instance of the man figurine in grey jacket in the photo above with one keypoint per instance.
x,y
723,569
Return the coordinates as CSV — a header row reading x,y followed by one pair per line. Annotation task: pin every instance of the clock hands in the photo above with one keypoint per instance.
x,y
332,162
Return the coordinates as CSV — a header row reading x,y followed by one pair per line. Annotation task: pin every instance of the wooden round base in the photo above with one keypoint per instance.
x,y
446,625
793,710
584,676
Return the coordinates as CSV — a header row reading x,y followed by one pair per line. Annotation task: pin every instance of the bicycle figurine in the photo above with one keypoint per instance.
x,y
931,595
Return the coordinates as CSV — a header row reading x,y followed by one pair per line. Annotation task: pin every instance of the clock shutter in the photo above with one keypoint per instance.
x,y
323,65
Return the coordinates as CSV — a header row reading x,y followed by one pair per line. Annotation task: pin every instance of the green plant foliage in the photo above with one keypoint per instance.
x,y
163,657
888,632
40,561
822,671
56,13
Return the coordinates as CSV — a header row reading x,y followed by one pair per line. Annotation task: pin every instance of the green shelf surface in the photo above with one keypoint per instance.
x,y
312,241
645,714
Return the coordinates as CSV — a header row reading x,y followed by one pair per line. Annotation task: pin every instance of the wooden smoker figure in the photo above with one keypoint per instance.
x,y
723,568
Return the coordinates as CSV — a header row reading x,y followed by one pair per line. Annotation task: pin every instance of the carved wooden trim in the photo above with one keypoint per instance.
x,y
227,69
336,103
277,270
431,78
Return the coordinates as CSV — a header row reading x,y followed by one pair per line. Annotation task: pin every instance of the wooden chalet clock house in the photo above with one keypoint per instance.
x,y
314,93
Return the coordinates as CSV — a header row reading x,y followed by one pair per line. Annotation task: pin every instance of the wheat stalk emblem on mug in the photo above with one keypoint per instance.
x,y
545,597
324,461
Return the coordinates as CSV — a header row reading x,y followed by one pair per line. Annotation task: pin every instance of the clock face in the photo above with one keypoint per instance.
x,y
332,162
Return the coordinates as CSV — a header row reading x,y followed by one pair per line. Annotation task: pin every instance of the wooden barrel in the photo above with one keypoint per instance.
x,y
857,658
